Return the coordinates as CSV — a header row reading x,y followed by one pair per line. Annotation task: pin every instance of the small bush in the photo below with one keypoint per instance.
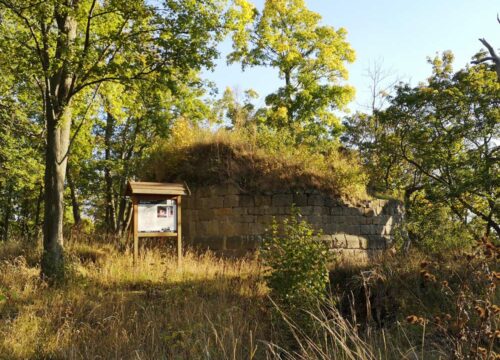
x,y
298,262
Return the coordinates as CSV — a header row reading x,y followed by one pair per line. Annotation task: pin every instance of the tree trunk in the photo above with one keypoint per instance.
x,y
6,219
110,208
57,101
75,205
36,225
58,135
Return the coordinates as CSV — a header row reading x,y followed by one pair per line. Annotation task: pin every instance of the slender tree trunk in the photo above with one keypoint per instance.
x,y
110,208
288,83
75,205
36,225
6,218
121,210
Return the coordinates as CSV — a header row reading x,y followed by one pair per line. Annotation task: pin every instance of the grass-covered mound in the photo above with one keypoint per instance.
x,y
255,160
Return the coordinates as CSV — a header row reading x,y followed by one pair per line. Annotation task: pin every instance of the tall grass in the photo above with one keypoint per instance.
x,y
214,308
254,158
208,308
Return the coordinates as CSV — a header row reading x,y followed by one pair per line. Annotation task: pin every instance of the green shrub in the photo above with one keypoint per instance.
x,y
297,262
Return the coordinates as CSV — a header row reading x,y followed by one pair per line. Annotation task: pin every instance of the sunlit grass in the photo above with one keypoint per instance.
x,y
111,309
215,308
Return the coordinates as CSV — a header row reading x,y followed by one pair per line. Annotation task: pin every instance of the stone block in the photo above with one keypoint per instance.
x,y
216,202
239,211
364,242
213,228
338,219
231,200
261,200
230,228
231,189
376,242
339,240
211,242
352,220
336,210
262,210
282,200
352,241
300,199
351,211
202,203
314,219
365,229
205,214
264,219
258,228
352,229
247,218
356,256
335,228
315,200
223,212
317,210
234,242
251,242
331,201
246,201
306,210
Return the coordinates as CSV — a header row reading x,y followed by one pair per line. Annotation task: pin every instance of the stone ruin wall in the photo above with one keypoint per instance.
x,y
231,221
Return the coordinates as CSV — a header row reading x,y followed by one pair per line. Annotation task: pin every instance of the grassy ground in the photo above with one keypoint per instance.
x,y
212,308
109,309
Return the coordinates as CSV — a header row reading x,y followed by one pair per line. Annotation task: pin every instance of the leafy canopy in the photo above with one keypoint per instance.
x,y
309,57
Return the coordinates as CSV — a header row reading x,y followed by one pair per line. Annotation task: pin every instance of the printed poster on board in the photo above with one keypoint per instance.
x,y
157,216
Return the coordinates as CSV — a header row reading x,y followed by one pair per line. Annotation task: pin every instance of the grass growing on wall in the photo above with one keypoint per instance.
x,y
259,159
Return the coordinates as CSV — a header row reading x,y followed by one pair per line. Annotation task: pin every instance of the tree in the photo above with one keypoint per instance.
x,y
239,114
492,57
444,135
21,153
65,47
363,130
310,59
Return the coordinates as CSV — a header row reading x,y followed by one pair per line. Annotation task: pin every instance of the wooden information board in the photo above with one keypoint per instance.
x,y
157,212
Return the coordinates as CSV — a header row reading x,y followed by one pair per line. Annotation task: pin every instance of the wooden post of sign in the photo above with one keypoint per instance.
x,y
135,203
179,232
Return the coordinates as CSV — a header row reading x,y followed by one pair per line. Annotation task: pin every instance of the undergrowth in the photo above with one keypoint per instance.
x,y
405,307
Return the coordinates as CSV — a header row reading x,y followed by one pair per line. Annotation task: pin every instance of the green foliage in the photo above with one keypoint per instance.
x,y
297,261
440,139
434,227
85,58
310,59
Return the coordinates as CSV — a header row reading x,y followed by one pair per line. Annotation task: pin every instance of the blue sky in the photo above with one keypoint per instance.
x,y
400,33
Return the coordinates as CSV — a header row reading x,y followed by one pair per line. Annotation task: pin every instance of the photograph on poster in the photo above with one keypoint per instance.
x,y
157,216
162,211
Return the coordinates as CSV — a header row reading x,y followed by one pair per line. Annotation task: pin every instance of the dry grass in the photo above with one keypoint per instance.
x,y
209,308
254,160
214,308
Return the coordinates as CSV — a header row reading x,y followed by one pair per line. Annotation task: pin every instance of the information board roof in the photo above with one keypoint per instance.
x,y
156,188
